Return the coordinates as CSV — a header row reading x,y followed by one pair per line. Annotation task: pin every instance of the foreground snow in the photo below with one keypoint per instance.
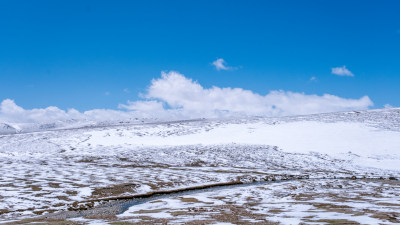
x,y
48,170
294,202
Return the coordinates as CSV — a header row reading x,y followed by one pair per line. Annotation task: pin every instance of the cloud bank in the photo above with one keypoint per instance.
x,y
174,96
342,71
11,112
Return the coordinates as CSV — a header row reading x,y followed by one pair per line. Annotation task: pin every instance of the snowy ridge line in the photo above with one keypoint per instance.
x,y
122,124
111,124
7,128
323,117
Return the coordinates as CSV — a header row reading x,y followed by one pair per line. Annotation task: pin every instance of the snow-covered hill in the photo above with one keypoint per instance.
x,y
7,129
52,167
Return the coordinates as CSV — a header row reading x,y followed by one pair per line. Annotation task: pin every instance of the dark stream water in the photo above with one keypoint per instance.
x,y
137,201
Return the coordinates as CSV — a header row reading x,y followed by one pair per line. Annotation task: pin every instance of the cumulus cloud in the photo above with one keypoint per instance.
x,y
220,64
174,96
177,92
342,71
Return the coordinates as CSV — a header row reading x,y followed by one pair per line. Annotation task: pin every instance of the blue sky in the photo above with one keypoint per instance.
x,y
98,54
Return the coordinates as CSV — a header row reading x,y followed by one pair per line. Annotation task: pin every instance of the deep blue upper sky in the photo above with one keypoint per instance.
x,y
70,53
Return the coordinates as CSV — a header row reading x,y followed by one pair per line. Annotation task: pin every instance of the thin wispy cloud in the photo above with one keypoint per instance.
x,y
220,64
342,71
313,78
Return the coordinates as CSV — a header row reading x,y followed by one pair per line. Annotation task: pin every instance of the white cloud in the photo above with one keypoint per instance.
x,y
173,96
11,112
9,107
342,71
144,106
220,64
313,78
107,114
192,100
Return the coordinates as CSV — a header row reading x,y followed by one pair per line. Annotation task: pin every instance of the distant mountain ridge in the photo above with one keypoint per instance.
x,y
373,116
7,129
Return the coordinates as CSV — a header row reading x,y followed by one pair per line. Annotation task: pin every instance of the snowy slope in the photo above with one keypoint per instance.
x,y
7,129
377,143
52,167
298,137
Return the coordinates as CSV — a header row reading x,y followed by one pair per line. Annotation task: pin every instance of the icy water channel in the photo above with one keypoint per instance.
x,y
125,205
137,201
